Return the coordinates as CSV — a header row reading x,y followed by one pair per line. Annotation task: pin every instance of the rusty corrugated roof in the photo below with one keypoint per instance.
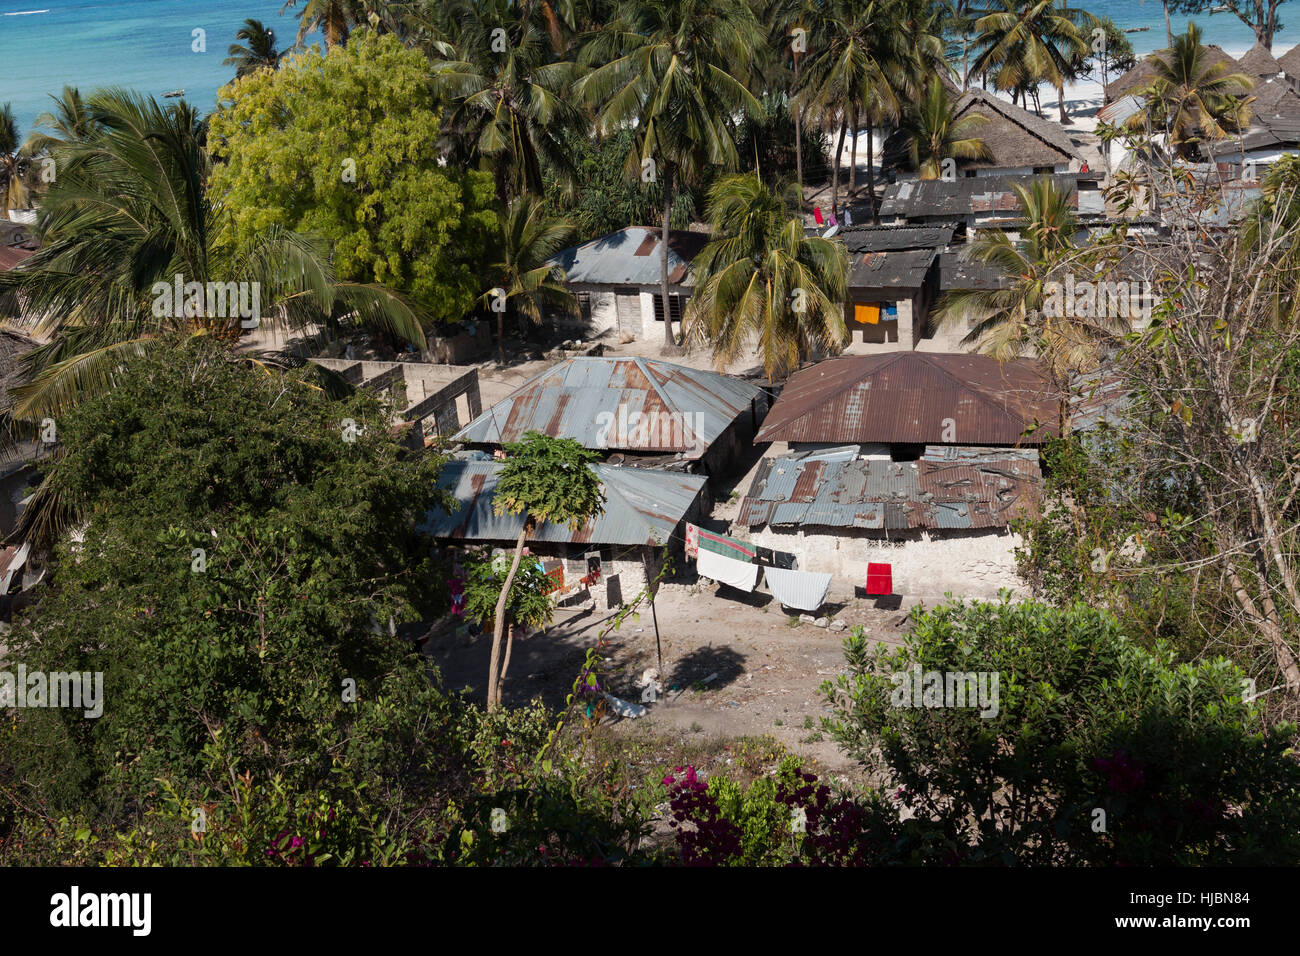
x,y
12,256
984,489
916,398
627,404
642,506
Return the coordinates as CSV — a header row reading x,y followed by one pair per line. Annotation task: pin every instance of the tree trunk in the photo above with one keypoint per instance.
x,y
499,621
1169,31
670,342
505,664
871,172
1060,100
798,135
853,154
835,174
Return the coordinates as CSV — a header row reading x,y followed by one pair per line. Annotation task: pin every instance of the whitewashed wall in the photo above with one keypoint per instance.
x,y
973,564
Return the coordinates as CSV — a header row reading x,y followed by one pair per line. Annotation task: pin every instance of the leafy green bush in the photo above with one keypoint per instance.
x,y
1095,751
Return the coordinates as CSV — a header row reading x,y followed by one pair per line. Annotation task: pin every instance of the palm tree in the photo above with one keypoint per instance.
x,y
510,97
333,18
13,163
1028,42
1008,322
68,122
959,18
871,59
667,70
129,211
127,214
854,71
524,278
934,134
1193,99
259,54
761,276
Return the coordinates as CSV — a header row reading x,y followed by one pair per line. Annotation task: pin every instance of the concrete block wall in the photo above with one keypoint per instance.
x,y
971,563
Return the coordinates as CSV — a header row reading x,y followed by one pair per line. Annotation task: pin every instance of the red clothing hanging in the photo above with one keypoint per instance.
x,y
880,579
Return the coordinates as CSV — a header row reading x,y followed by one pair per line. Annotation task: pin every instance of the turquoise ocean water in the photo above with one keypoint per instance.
x,y
146,44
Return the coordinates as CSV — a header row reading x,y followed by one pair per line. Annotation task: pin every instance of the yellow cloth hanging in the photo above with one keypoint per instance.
x,y
867,313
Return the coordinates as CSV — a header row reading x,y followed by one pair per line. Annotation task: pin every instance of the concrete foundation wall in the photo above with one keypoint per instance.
x,y
973,564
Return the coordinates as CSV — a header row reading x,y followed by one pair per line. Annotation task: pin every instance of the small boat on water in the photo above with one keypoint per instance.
x,y
173,94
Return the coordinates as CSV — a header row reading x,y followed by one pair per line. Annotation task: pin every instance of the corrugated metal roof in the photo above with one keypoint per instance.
x,y
596,401
13,256
903,269
891,238
631,257
1119,111
642,506
984,490
940,198
917,398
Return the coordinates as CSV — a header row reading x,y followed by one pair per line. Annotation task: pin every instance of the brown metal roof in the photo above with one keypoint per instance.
x,y
916,398
11,256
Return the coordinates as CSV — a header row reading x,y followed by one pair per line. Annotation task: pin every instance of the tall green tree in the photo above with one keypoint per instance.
x,y
546,480
1192,98
127,215
257,52
934,134
1028,314
510,97
761,278
344,146
524,280
1024,43
13,163
668,71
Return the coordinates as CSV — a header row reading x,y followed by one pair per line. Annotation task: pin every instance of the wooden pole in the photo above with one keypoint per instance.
x,y
659,651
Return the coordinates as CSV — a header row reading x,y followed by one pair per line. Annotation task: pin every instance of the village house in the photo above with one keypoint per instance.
x,y
433,401
644,519
1289,62
617,280
1020,142
917,460
1144,72
893,280
1274,132
984,202
639,412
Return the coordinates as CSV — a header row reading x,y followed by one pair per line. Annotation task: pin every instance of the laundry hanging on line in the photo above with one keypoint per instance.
x,y
718,543
770,558
880,579
802,590
718,567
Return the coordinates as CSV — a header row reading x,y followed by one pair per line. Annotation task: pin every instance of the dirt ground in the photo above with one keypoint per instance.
x,y
733,665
